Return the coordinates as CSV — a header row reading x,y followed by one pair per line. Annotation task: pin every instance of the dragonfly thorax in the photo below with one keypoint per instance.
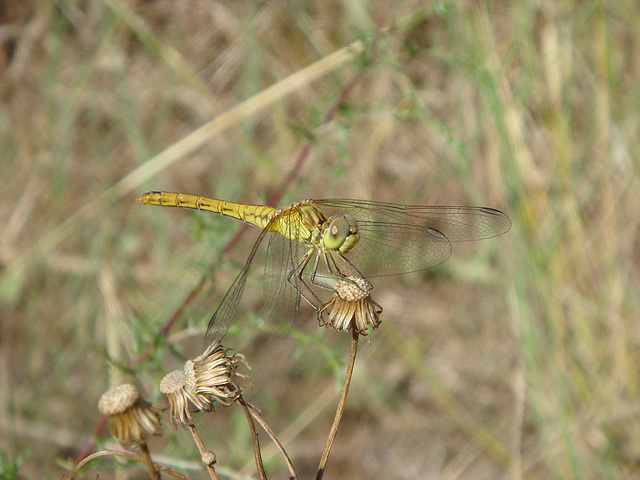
x,y
341,233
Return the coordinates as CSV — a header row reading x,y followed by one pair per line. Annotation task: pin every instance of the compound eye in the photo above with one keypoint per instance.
x,y
352,223
337,233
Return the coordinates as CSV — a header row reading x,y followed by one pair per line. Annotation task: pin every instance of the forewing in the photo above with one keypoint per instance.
x,y
396,239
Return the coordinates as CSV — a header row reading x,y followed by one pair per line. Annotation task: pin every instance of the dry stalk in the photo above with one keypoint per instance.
x,y
254,436
258,417
341,404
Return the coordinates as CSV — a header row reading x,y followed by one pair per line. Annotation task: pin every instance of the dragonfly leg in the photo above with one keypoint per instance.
x,y
299,285
334,269
334,272
318,282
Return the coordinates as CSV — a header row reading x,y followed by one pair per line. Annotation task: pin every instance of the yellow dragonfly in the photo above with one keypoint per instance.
x,y
313,240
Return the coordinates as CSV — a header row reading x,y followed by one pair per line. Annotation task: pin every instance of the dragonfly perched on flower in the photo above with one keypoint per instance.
x,y
314,242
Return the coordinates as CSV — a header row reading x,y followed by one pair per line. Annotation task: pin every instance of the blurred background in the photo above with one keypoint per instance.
x,y
518,358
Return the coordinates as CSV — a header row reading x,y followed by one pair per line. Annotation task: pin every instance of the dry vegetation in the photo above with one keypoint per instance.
x,y
518,358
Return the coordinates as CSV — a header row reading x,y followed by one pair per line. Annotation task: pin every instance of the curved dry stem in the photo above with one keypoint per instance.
x,y
265,426
203,452
130,456
341,404
148,462
254,436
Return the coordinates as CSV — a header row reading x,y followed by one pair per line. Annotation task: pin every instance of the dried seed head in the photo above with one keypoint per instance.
x,y
174,386
351,307
213,375
118,399
352,289
131,418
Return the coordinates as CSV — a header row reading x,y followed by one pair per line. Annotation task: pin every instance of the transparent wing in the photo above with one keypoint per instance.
x,y
221,318
280,296
283,288
396,239
282,285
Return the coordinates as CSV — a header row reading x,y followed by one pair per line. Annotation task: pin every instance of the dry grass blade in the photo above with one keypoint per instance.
x,y
180,149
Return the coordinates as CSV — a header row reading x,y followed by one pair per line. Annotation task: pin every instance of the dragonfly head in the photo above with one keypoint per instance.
x,y
341,234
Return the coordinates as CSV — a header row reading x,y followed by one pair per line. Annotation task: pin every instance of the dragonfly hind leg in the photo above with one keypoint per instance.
x,y
294,277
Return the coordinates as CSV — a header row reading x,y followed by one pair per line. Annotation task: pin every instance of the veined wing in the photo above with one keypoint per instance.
x,y
280,288
281,284
221,318
287,258
396,239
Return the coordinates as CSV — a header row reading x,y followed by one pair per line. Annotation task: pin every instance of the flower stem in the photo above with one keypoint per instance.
x,y
258,418
203,452
147,460
341,404
256,442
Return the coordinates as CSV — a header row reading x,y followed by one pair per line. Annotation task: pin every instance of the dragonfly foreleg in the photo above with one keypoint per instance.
x,y
334,269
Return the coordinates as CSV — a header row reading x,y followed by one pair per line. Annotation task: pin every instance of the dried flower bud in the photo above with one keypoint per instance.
x,y
209,458
131,418
351,307
174,386
213,375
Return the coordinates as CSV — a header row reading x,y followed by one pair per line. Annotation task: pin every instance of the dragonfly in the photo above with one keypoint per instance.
x,y
314,240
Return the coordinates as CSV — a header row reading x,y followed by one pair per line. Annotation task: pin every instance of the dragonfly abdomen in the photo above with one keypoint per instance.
x,y
257,215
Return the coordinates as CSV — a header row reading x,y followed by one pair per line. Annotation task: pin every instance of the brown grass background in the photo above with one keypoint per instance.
x,y
518,358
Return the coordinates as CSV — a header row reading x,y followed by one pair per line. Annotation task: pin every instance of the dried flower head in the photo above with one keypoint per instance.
x,y
131,418
213,374
174,386
351,307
